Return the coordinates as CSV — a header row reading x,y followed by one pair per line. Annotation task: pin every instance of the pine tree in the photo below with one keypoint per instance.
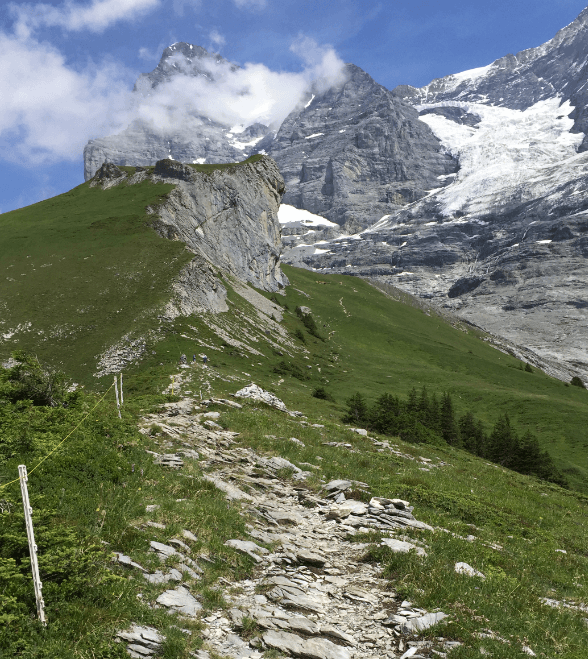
x,y
434,414
503,444
357,410
528,459
472,433
412,404
448,428
385,414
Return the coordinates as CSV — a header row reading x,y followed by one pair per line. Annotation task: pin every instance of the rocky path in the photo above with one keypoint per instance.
x,y
313,595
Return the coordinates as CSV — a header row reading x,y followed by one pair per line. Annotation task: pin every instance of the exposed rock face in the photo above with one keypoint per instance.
x,y
471,191
352,153
227,218
355,153
502,242
557,68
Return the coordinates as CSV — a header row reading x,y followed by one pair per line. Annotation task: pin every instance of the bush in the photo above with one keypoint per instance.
x,y
287,368
577,382
322,394
308,322
28,380
298,333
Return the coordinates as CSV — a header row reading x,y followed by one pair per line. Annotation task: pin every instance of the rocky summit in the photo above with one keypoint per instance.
x,y
357,152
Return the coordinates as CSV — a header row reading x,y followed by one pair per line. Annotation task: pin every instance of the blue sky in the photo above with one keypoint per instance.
x,y
66,68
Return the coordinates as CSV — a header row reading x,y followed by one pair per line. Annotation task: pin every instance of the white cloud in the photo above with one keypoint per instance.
x,y
246,95
96,16
250,4
217,39
48,110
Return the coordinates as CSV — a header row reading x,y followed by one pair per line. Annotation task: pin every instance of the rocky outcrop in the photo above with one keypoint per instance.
x,y
227,217
502,240
352,153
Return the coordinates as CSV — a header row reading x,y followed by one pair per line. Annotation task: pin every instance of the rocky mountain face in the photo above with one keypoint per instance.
x,y
226,217
469,192
503,240
351,153
357,152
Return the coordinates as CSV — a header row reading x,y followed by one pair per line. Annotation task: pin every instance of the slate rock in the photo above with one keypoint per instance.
x,y
164,551
160,578
310,558
247,547
416,625
188,535
180,600
127,561
402,547
464,568
257,393
313,648
340,485
334,632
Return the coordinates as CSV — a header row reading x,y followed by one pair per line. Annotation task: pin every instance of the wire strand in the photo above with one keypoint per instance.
x,y
61,442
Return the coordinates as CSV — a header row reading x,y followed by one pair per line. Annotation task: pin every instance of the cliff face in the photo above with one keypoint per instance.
x,y
226,217
356,153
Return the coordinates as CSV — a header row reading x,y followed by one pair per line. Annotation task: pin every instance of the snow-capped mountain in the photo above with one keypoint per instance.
x,y
471,191
503,240
185,135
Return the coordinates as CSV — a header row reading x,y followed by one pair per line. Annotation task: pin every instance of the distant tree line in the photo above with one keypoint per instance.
x,y
423,418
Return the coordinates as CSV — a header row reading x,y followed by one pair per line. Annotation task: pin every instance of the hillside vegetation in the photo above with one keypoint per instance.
x,y
81,270
375,345
325,339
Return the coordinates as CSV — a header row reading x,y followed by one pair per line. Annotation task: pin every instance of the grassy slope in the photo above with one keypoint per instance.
x,y
83,269
378,345
109,478
374,338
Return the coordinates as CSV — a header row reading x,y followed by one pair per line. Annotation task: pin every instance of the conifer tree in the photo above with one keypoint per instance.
x,y
448,428
412,404
503,444
386,413
434,413
357,410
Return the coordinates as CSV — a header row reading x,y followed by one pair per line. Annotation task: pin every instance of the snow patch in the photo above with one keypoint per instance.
x,y
292,217
308,137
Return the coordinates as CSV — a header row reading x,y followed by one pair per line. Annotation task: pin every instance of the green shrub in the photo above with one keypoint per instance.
x,y
322,394
298,333
309,323
577,382
288,368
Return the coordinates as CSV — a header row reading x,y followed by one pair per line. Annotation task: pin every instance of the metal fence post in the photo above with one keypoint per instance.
x,y
22,472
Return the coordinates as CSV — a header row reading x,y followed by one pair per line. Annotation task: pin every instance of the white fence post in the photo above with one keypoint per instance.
x,y
22,472
122,402
116,392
